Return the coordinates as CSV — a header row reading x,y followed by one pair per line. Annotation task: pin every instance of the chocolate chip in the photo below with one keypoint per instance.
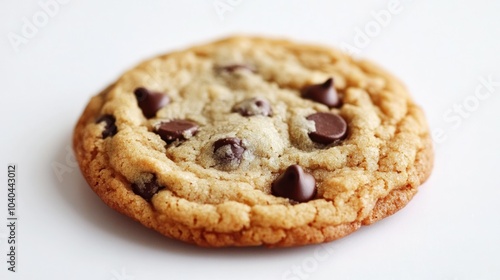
x,y
236,67
150,102
148,189
295,184
176,130
253,106
109,127
323,93
329,127
229,150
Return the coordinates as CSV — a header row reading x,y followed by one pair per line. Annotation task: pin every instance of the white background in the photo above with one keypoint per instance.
x,y
441,49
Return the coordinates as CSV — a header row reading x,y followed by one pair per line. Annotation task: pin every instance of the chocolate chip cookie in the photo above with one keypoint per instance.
x,y
253,141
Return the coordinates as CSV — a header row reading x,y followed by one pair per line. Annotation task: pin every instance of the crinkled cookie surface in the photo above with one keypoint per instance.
x,y
254,141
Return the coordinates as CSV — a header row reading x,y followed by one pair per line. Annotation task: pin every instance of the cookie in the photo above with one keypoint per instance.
x,y
254,141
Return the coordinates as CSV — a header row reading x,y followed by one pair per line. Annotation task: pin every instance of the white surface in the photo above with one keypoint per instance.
x,y
450,230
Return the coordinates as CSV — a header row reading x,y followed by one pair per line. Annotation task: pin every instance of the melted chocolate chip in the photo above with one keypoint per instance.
x,y
229,150
148,189
150,102
236,67
110,127
323,93
329,128
176,130
253,106
295,184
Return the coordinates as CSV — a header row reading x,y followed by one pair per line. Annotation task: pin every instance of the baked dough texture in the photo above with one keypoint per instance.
x,y
371,174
